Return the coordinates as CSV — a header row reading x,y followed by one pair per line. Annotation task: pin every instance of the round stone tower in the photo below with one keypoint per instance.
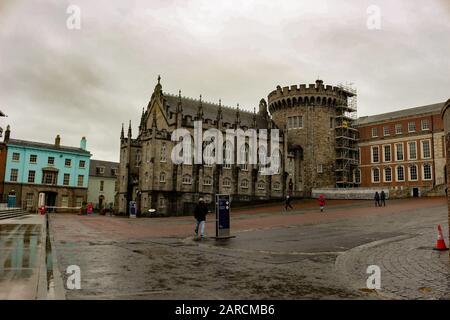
x,y
313,116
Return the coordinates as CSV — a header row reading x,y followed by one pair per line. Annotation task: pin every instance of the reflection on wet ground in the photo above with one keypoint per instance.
x,y
19,248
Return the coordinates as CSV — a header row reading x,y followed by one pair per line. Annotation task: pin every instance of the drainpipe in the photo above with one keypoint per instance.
x,y
432,148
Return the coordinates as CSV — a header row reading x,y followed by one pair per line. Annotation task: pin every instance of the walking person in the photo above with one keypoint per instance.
x,y
377,199
383,198
287,204
200,212
321,201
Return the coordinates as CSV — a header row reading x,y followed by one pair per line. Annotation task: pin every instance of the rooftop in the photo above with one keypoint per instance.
x,y
190,107
432,108
40,145
107,166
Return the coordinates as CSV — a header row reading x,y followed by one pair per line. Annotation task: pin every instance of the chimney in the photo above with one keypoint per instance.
x,y
7,133
83,143
58,141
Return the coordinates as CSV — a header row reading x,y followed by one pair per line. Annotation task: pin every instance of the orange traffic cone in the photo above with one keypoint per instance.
x,y
440,243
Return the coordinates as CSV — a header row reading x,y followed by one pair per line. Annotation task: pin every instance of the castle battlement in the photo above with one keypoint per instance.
x,y
311,94
310,89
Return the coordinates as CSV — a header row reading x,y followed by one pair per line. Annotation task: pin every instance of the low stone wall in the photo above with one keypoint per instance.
x,y
353,193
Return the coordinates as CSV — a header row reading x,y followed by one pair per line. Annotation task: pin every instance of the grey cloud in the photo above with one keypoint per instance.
x,y
87,82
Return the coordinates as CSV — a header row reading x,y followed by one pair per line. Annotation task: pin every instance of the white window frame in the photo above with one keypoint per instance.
x,y
422,148
16,171
162,177
396,174
384,153
320,168
261,185
80,179
398,128
375,132
373,175
68,179
371,154
409,149
384,174
64,201
409,126
423,172
396,151
358,176
29,200
422,122
29,175
228,184
187,179
295,122
386,131
410,175
207,181
244,184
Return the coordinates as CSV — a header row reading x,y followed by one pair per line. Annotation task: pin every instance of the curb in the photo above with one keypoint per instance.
x,y
342,260
59,292
41,289
49,289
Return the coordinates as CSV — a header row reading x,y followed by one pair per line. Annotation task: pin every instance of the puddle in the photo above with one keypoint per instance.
x,y
49,264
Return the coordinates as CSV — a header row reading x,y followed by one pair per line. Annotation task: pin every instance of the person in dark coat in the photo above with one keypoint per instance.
x,y
288,204
383,199
377,199
200,212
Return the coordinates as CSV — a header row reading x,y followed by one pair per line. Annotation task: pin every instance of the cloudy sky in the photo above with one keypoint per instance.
x,y
86,82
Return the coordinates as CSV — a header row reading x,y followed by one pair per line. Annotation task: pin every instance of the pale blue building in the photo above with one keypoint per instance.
x,y
41,173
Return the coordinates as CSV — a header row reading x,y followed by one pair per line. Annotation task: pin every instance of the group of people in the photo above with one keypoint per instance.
x,y
380,199
288,203
201,210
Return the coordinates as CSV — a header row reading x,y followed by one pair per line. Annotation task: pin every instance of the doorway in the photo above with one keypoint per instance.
x,y
101,201
415,192
50,200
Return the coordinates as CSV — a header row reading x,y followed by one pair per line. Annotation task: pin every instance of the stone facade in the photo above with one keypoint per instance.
x,y
307,155
321,111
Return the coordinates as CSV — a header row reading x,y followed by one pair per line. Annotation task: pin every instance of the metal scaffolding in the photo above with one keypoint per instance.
x,y
346,140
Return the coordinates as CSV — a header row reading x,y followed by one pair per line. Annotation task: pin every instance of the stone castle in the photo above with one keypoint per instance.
x,y
317,148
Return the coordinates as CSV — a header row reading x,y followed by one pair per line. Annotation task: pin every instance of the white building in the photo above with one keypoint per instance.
x,y
102,183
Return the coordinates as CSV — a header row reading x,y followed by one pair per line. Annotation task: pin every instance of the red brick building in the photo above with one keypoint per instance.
x,y
403,151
